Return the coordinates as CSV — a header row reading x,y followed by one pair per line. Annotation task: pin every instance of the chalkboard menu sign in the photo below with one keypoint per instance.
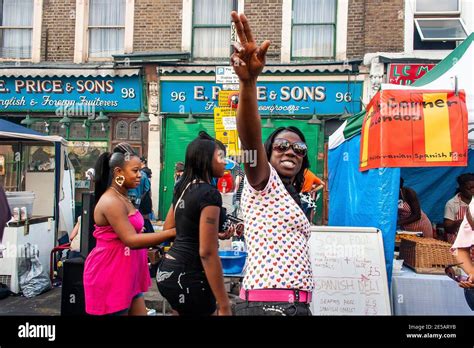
x,y
349,271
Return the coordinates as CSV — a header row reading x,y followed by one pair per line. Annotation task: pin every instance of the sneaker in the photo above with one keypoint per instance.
x,y
150,311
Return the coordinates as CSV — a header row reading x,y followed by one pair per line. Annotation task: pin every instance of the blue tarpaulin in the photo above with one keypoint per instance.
x,y
6,126
435,186
363,199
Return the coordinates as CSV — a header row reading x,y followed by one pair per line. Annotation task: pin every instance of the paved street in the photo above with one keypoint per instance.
x,y
49,303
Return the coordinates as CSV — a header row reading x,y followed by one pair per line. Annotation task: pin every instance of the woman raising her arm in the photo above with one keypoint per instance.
x,y
278,278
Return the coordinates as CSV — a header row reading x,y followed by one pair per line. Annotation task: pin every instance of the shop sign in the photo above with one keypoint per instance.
x,y
406,74
225,126
226,74
57,94
414,128
278,98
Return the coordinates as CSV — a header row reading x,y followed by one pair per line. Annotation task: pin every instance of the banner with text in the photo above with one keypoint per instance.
x,y
414,128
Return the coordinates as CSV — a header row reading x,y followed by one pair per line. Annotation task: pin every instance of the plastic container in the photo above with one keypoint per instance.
x,y
21,199
233,262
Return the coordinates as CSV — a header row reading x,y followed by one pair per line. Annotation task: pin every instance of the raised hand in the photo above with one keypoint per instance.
x,y
248,59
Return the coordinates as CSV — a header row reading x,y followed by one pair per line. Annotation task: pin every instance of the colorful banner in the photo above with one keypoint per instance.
x,y
56,94
414,128
406,74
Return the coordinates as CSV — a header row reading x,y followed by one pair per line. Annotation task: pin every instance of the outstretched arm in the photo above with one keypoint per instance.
x,y
248,61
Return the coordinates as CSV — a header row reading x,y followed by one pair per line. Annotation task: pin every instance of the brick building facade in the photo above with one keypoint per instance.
x,y
159,43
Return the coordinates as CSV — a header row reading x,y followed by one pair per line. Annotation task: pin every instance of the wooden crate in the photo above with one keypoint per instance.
x,y
425,255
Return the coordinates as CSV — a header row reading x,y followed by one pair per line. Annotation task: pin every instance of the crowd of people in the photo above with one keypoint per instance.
x,y
274,197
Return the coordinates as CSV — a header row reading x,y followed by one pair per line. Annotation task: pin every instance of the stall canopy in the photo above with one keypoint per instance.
x,y
14,131
369,199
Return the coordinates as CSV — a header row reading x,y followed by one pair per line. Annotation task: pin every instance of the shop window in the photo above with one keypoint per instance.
x,y
38,126
77,131
313,32
211,28
106,27
135,131
438,25
121,130
56,129
39,158
83,156
9,168
16,28
99,130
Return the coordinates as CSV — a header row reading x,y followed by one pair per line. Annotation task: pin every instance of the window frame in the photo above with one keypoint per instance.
x,y
458,12
334,25
68,137
35,28
411,30
420,32
82,33
212,26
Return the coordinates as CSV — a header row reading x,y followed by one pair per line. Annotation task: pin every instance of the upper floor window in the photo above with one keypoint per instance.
x,y
438,25
16,29
211,28
313,30
103,28
106,27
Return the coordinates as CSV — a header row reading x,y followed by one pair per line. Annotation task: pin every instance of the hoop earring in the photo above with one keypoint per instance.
x,y
119,180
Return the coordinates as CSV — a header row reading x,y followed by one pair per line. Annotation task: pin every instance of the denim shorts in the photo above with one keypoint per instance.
x,y
125,311
285,309
187,290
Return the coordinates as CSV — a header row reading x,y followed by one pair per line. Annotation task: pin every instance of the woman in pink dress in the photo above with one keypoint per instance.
x,y
116,271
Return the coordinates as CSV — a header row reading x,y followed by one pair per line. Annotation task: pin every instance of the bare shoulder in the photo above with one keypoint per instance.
x,y
109,205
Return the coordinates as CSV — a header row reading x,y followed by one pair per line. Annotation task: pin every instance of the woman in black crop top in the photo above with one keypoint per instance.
x,y
190,276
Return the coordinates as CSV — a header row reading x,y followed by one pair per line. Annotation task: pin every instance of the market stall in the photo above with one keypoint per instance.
x,y
370,197
426,294
39,181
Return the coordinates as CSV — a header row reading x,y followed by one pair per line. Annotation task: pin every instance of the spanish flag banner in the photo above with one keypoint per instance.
x,y
414,128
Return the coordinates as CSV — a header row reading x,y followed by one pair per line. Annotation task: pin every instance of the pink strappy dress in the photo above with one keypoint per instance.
x,y
114,274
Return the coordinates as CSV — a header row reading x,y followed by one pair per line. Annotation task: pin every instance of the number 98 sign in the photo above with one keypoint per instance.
x,y
128,93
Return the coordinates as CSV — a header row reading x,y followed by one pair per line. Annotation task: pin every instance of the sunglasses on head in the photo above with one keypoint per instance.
x,y
282,145
453,272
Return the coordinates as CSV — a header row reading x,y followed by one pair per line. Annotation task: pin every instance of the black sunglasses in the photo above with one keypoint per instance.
x,y
451,273
282,145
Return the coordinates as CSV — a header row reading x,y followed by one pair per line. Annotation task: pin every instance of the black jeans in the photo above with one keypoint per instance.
x,y
187,290
285,309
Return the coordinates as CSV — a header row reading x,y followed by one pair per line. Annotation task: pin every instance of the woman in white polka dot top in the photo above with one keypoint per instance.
x,y
278,278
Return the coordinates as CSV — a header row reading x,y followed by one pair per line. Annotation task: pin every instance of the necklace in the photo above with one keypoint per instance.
x,y
122,195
